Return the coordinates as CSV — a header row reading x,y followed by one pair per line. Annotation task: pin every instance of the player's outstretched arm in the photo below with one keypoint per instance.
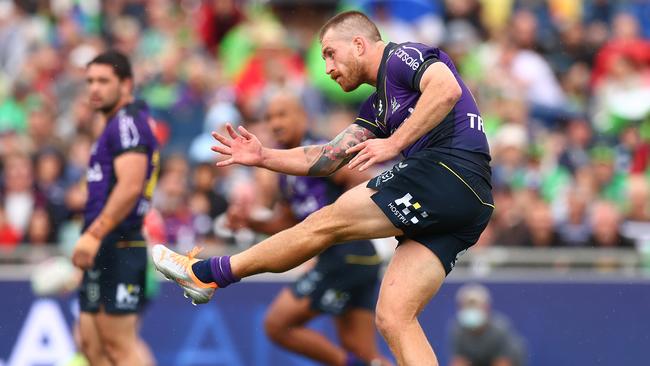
x,y
242,147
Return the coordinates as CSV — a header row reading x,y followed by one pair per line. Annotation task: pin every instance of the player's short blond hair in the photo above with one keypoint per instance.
x,y
350,24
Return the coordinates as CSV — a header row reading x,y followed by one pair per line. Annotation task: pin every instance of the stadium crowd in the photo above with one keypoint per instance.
x,y
563,87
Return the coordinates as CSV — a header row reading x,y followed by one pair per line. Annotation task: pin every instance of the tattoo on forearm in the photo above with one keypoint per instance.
x,y
328,158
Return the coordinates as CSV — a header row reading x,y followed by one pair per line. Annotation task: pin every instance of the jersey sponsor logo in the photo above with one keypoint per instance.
x,y
94,173
416,50
409,60
129,135
127,296
409,214
475,120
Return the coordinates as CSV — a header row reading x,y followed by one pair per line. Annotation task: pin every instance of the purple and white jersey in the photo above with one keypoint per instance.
x,y
459,136
127,131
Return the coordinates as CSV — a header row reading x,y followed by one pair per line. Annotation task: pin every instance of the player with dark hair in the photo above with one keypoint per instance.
x,y
344,281
121,177
436,201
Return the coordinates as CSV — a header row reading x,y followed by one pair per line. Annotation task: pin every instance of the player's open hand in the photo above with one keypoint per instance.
x,y
243,148
371,152
85,251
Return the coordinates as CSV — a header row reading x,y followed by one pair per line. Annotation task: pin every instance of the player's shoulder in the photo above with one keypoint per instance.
x,y
412,54
138,110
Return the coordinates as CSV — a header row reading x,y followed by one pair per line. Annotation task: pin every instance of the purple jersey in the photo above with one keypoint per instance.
x,y
127,131
459,136
306,195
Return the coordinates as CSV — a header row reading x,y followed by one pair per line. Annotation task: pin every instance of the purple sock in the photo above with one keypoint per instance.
x,y
221,271
215,269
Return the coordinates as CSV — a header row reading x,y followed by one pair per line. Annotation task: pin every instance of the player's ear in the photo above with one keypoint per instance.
x,y
127,86
359,45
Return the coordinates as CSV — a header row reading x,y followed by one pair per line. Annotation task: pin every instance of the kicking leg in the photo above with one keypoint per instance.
x,y
413,276
353,216
285,326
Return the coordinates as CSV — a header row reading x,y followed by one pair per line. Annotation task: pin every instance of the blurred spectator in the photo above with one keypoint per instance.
x,y
622,95
41,128
20,197
626,42
638,198
9,236
204,183
40,230
272,65
481,336
576,153
171,200
174,102
49,165
606,226
218,115
540,227
610,183
574,229
507,219
215,19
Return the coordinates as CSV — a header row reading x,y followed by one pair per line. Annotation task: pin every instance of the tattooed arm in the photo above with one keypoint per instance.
x,y
317,160
328,158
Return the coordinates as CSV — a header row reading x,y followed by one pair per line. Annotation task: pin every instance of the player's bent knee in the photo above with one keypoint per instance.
x,y
115,350
91,350
275,329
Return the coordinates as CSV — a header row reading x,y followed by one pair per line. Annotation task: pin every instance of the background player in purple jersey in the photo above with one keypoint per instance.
x,y
112,250
343,282
436,201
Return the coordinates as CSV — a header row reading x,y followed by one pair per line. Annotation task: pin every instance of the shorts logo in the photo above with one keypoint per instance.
x,y
92,292
410,209
388,174
127,296
307,284
334,300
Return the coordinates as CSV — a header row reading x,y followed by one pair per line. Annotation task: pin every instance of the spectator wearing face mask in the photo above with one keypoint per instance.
x,y
481,337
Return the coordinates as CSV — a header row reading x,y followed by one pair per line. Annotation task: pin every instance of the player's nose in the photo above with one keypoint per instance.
x,y
329,67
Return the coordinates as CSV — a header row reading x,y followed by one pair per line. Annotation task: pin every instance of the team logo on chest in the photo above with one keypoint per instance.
x,y
394,105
